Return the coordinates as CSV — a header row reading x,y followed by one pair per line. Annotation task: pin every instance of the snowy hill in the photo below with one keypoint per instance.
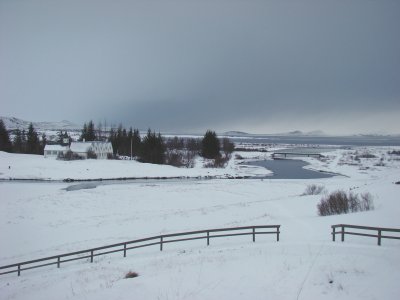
x,y
15,123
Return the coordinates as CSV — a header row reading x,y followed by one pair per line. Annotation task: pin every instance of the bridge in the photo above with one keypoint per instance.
x,y
283,154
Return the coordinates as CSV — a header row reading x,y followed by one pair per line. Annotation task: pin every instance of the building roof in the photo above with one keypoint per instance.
x,y
55,148
80,146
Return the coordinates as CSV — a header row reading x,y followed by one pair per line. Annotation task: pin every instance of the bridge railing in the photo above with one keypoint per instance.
x,y
285,154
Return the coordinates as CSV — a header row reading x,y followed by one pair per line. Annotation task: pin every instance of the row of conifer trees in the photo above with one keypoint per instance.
x,y
152,148
27,142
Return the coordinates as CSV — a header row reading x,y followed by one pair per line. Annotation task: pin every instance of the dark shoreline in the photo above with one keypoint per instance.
x,y
70,180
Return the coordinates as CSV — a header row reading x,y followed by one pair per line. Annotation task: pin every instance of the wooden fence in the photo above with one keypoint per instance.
x,y
140,243
379,231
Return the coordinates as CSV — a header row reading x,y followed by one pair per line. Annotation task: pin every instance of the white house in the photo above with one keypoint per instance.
x,y
54,150
101,149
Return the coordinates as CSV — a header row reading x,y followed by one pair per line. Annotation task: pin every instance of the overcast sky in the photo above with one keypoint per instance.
x,y
186,66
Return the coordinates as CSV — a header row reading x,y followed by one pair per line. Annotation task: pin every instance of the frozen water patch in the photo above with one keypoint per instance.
x,y
81,186
290,169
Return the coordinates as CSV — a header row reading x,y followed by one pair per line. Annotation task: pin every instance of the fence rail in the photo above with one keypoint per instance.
x,y
139,243
379,230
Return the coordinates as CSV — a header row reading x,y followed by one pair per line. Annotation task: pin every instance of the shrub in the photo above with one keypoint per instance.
x,y
314,189
366,155
189,161
194,145
174,158
131,274
339,202
69,155
367,202
219,162
227,146
91,155
180,158
175,143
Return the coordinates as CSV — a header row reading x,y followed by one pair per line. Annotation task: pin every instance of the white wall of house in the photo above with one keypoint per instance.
x,y
101,149
54,150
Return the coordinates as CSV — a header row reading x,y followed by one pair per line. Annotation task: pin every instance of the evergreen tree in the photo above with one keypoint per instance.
x,y
24,142
84,133
121,141
130,141
17,142
63,138
100,131
43,143
125,143
91,132
88,132
136,142
113,140
5,143
118,140
210,145
60,137
33,144
152,149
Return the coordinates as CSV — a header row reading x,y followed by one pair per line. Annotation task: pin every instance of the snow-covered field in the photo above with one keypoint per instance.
x,y
44,219
24,166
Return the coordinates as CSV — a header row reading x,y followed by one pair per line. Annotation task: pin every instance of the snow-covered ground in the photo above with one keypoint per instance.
x,y
25,166
44,219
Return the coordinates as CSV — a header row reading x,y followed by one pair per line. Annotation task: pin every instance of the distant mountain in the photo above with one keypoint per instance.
x,y
15,123
310,133
296,132
235,133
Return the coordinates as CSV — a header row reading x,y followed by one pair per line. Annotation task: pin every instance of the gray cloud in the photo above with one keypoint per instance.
x,y
192,65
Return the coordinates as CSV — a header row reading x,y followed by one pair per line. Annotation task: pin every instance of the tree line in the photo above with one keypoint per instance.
x,y
152,148
156,149
27,142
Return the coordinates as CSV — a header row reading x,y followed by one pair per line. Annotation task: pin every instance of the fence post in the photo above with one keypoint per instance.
x,y
208,238
333,233
19,270
58,262
277,232
125,250
342,233
379,237
161,243
254,234
91,256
